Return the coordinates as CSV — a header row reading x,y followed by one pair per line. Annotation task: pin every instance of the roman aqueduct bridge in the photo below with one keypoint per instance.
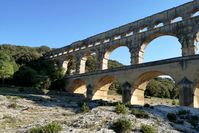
x,y
181,22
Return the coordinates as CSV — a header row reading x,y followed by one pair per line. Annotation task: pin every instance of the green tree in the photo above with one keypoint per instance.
x,y
7,66
6,70
25,76
161,87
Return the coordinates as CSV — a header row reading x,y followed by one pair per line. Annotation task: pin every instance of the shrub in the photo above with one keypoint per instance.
x,y
139,113
35,130
43,82
83,107
174,102
121,109
147,129
147,105
172,117
122,125
53,127
25,76
59,84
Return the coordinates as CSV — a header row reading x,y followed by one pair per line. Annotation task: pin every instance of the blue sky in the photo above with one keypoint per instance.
x,y
57,23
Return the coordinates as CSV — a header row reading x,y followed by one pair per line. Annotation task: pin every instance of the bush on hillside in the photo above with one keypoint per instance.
x,y
147,129
121,109
122,125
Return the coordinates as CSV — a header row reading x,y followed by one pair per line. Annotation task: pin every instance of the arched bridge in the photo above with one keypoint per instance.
x,y
181,22
134,78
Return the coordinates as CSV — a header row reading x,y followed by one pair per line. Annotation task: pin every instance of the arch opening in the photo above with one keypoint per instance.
x,y
155,88
69,66
88,63
196,97
160,47
116,57
159,24
107,89
197,43
177,19
78,86
129,34
195,14
143,29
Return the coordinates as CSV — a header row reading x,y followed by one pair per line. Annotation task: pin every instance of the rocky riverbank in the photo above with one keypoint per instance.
x,y
19,113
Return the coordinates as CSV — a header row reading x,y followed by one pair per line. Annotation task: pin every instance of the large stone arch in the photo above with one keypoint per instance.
x,y
78,86
147,40
101,87
108,52
139,85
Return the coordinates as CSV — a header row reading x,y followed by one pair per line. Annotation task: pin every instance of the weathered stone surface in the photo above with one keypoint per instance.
x,y
136,36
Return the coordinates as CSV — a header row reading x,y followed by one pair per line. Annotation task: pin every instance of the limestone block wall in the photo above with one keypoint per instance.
x,y
178,21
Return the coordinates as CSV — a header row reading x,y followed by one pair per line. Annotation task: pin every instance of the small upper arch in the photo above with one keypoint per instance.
x,y
176,19
158,24
195,13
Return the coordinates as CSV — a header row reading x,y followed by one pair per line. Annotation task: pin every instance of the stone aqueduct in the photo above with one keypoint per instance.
x,y
180,22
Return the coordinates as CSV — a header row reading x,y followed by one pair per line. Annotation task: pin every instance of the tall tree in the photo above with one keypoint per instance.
x,y
7,66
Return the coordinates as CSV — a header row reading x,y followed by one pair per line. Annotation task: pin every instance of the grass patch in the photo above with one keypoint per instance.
x,y
147,129
53,127
140,113
121,109
122,125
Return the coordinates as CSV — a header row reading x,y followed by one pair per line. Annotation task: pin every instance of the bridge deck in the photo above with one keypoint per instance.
x,y
135,66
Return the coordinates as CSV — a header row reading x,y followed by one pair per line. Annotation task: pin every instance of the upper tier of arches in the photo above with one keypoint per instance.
x,y
175,15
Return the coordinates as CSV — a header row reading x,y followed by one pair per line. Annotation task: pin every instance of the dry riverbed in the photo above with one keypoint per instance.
x,y
20,112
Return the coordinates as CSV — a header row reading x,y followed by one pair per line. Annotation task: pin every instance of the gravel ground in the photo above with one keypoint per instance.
x,y
22,112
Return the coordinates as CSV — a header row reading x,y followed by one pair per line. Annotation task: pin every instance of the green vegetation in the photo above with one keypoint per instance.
x,y
84,106
162,87
122,125
147,129
115,88
175,102
7,66
53,127
23,66
121,109
140,113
